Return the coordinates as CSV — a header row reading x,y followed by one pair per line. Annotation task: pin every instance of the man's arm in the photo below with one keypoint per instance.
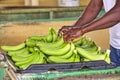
x,y
108,20
88,15
90,12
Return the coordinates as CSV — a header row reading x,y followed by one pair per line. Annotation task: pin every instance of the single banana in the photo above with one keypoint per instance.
x,y
11,53
54,35
16,59
70,53
22,54
107,57
42,58
36,38
60,50
13,48
77,57
49,38
54,59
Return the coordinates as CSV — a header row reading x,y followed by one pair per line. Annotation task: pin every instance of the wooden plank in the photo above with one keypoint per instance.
x,y
41,2
11,2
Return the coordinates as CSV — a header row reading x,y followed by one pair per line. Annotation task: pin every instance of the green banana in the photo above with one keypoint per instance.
x,y
88,55
28,63
30,43
85,60
85,41
21,57
54,59
21,54
69,54
13,48
78,42
54,35
24,66
38,59
57,43
106,53
42,58
11,53
107,57
77,58
91,46
18,58
37,38
48,38
60,50
29,59
31,49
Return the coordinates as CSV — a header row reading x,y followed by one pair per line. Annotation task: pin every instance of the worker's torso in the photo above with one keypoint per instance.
x,y
115,30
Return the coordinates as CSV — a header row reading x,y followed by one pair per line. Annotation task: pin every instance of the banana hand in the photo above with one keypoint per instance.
x,y
88,55
60,50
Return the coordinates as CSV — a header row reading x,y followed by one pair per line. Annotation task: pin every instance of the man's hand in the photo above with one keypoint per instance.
x,y
63,30
72,34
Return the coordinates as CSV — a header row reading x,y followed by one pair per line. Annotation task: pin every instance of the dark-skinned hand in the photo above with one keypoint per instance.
x,y
65,29
72,34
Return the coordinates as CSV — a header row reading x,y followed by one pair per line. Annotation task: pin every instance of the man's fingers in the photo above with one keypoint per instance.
x,y
61,32
69,37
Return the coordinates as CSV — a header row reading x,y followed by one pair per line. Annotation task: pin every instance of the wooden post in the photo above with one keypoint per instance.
x,y
35,2
27,2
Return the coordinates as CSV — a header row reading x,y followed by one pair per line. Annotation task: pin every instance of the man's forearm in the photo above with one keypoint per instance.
x,y
108,20
90,13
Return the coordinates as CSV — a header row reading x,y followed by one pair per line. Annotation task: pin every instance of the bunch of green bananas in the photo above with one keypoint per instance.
x,y
50,49
22,57
56,50
89,51
65,55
